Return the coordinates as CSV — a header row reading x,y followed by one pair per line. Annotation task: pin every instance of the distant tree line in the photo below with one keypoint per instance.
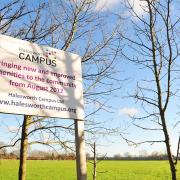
x,y
54,155
149,157
37,155
40,155
128,156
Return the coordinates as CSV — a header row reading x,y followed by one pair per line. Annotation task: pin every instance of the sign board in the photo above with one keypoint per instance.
x,y
39,80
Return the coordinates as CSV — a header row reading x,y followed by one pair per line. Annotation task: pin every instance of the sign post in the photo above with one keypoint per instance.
x,y
80,150
42,81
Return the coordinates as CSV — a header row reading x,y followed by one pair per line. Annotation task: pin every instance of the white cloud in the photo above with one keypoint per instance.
x,y
138,6
128,111
45,137
103,5
12,128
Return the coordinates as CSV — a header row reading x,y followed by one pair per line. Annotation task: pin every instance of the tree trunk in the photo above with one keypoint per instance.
x,y
177,155
168,148
24,146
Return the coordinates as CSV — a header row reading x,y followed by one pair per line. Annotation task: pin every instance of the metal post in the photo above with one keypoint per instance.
x,y
80,150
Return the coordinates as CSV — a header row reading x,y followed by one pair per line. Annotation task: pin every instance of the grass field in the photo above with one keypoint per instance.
x,y
108,170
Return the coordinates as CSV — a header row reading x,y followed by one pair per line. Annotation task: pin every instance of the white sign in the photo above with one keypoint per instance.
x,y
38,80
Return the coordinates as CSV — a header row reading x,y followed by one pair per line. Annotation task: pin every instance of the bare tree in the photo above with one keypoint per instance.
x,y
155,48
95,161
72,26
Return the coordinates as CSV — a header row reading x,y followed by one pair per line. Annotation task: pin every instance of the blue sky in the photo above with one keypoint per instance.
x,y
122,107
126,106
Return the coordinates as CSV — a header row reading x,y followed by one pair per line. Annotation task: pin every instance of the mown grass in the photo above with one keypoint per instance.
x,y
107,170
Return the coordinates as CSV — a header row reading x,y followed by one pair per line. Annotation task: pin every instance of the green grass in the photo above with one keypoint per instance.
x,y
107,170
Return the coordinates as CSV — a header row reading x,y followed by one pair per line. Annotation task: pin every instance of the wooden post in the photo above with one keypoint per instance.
x,y
94,161
24,147
80,150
